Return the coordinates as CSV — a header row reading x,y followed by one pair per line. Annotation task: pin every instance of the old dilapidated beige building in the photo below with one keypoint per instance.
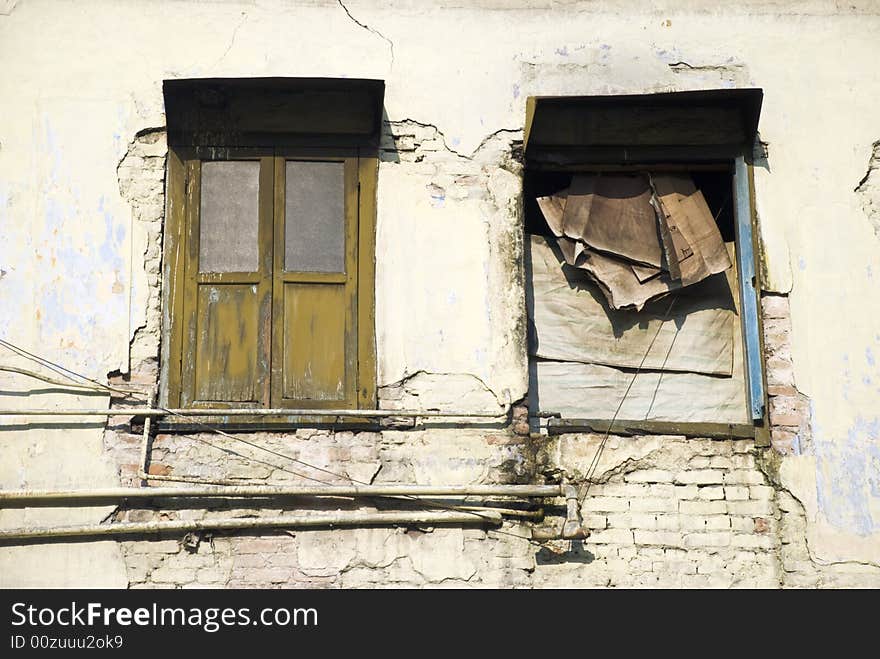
x,y
325,204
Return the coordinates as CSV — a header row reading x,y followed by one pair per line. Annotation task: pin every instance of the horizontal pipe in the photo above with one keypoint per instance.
x,y
151,411
288,522
121,493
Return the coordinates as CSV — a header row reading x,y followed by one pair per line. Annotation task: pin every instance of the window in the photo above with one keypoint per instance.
x,y
269,244
640,271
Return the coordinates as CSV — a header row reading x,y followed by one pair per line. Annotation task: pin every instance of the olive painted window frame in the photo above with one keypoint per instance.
x,y
179,246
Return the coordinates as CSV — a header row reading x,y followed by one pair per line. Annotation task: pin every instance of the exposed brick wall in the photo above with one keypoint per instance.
x,y
789,409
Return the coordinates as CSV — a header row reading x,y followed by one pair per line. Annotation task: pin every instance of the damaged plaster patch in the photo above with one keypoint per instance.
x,y
455,392
141,177
869,189
410,136
476,197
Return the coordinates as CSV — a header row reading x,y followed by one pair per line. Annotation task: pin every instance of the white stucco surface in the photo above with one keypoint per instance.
x,y
79,79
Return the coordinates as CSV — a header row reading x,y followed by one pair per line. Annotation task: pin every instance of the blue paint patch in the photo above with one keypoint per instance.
x,y
846,497
562,51
869,356
438,195
515,90
802,264
456,141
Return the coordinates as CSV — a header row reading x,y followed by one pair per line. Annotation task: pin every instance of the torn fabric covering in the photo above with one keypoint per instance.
x,y
638,236
567,385
572,321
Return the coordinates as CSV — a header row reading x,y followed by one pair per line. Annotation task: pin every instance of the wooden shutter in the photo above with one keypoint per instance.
x,y
228,274
315,283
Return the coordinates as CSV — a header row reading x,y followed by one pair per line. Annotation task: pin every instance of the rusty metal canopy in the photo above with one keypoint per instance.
x,y
261,112
616,127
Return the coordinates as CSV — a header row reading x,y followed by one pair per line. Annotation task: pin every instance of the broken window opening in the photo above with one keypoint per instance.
x,y
588,339
641,293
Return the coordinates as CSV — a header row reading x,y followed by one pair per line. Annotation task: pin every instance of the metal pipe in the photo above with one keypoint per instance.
x,y
151,411
285,522
121,493
145,442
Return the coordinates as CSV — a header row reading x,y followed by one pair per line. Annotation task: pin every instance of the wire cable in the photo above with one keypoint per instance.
x,y
68,373
588,479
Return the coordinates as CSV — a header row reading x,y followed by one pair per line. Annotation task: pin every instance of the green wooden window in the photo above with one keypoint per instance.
x,y
270,265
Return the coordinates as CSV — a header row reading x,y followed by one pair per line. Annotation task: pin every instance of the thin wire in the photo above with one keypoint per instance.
x,y
662,372
67,384
64,371
595,462
61,370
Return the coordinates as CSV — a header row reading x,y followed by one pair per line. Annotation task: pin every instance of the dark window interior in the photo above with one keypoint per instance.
x,y
716,186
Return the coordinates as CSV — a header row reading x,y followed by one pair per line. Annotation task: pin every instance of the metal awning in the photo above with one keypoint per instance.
x,y
652,126
344,112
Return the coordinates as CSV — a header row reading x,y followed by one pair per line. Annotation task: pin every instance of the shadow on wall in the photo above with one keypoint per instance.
x,y
576,553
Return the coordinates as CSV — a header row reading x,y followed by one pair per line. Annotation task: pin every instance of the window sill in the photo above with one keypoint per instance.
x,y
646,427
264,423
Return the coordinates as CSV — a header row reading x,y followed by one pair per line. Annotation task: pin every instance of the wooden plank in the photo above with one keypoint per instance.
x,y
314,344
267,260
277,363
368,171
226,344
190,287
226,356
315,337
749,296
174,278
642,427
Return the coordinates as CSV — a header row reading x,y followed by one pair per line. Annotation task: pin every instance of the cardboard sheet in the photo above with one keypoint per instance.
x,y
590,391
612,213
638,236
698,247
573,322
594,391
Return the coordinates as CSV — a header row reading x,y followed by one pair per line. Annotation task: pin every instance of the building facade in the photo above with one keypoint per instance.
x,y
322,205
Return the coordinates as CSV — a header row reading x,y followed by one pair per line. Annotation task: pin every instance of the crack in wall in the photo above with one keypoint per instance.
x,y
768,462
407,122
370,29
408,379
241,22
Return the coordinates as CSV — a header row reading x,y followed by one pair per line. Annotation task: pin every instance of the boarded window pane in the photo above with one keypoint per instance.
x,y
314,218
229,217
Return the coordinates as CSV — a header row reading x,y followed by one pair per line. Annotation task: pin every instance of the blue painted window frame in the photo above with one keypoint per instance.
x,y
745,254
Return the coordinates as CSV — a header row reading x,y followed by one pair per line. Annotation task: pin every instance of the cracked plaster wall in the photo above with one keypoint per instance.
x,y
80,244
